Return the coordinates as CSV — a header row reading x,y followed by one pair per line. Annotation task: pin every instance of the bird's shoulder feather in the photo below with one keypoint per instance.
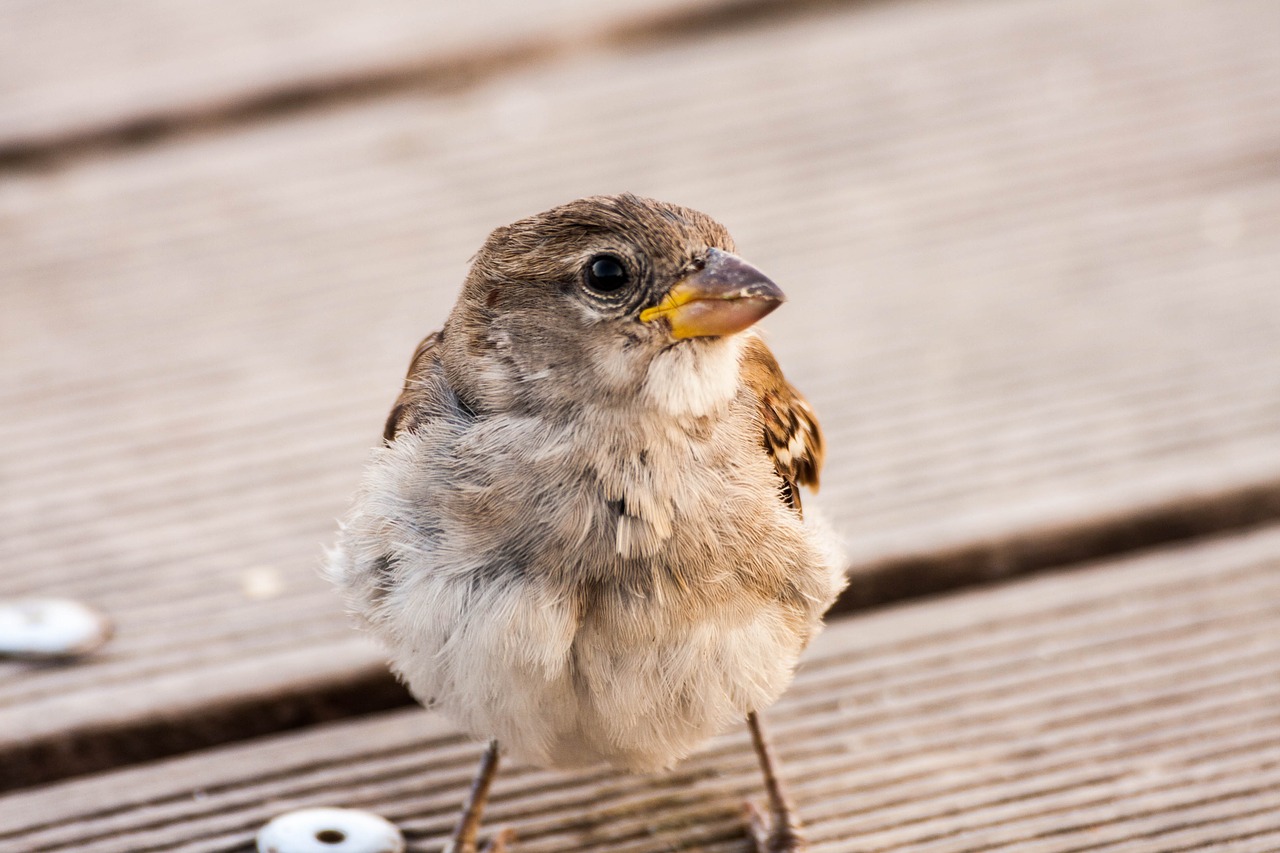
x,y
423,388
791,434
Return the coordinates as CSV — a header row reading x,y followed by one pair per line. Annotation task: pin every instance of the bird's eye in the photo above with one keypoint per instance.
x,y
606,274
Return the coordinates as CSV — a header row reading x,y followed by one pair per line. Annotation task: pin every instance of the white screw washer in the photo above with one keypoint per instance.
x,y
330,830
50,628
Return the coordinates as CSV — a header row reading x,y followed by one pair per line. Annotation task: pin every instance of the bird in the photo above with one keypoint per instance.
x,y
582,536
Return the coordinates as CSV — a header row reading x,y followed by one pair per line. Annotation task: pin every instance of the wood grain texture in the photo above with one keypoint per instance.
x,y
1129,706
81,69
1030,248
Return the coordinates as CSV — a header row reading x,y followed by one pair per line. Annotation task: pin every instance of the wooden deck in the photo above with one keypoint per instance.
x,y
1130,705
1032,251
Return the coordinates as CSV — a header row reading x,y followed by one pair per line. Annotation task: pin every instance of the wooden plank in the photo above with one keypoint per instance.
x,y
1128,706
1031,264
81,70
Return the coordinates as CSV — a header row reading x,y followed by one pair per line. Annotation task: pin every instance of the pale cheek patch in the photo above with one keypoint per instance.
x,y
694,381
615,364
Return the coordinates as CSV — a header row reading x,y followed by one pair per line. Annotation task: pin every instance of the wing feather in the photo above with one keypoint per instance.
x,y
421,393
791,434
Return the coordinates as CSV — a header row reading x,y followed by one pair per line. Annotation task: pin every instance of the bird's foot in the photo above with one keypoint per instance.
x,y
497,844
775,832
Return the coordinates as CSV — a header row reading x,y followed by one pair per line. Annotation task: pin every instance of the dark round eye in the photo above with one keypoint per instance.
x,y
606,274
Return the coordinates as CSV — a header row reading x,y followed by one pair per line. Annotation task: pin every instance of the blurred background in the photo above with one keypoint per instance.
x,y
1031,249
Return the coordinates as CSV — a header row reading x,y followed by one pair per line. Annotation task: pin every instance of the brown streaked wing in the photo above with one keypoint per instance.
x,y
791,433
407,410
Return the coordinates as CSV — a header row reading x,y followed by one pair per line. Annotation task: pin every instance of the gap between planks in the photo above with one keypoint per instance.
x,y
1127,706
447,74
48,759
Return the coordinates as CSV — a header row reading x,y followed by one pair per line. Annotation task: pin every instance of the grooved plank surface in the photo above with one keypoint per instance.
x,y
80,67
1031,261
1132,706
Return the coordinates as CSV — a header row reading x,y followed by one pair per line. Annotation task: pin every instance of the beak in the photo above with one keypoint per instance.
x,y
727,295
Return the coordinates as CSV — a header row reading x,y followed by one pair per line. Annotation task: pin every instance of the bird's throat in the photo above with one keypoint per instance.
x,y
695,378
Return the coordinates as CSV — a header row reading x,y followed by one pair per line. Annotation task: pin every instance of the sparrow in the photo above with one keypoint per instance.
x,y
582,536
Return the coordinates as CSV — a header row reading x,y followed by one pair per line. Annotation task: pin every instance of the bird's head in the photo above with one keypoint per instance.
x,y
583,301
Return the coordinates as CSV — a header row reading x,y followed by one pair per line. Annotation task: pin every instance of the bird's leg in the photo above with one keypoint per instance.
x,y
779,831
464,834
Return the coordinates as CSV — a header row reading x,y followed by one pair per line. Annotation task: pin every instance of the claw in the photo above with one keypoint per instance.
x,y
779,830
774,833
498,844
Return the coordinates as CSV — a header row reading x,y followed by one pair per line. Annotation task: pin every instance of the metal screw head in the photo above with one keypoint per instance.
x,y
50,628
329,830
